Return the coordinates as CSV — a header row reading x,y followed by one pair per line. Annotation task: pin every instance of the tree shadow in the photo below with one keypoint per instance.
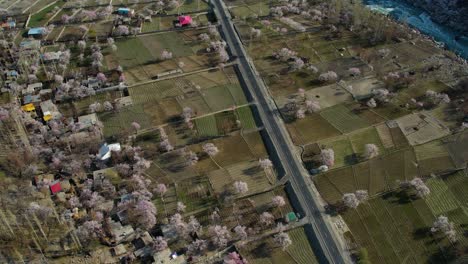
x,y
421,233
262,251
252,170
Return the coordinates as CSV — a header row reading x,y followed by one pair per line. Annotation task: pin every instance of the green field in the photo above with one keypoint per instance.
x,y
40,18
343,119
206,126
246,117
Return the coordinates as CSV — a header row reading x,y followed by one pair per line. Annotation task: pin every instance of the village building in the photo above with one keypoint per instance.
x,y
37,32
105,151
87,121
125,11
168,257
50,110
184,21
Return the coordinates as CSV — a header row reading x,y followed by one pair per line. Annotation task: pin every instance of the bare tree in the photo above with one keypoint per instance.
x,y
362,195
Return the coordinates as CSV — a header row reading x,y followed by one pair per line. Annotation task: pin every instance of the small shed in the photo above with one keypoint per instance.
x,y
37,32
55,187
106,150
28,107
290,217
9,24
87,121
185,21
125,11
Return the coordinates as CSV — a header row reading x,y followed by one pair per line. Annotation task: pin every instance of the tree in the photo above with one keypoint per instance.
x,y
161,189
329,76
241,232
266,219
122,30
350,200
159,244
210,149
300,113
197,247
193,226
372,103
443,225
192,158
362,195
233,258
108,106
101,77
89,230
282,240
241,187
204,37
219,235
328,157
421,188
136,126
265,163
145,214
312,106
181,207
166,55
58,78
180,226
278,201
371,151
354,72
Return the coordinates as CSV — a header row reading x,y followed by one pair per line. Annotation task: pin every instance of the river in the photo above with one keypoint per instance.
x,y
419,19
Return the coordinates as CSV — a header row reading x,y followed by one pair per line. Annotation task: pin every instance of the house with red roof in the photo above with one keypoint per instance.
x,y
55,187
185,21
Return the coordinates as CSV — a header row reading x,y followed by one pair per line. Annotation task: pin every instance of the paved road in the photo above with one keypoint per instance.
x,y
275,127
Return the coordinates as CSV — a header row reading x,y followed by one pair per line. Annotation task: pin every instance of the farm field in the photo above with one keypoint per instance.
x,y
140,57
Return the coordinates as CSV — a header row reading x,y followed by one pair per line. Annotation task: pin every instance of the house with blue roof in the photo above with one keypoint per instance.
x,y
125,11
37,32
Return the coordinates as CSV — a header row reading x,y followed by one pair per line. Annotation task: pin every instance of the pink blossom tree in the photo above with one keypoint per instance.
x,y
312,106
362,195
241,187
220,235
193,226
265,163
241,232
210,149
371,151
443,225
136,127
159,244
181,207
234,258
421,188
328,157
166,55
329,76
278,201
266,219
350,200
145,214
197,247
